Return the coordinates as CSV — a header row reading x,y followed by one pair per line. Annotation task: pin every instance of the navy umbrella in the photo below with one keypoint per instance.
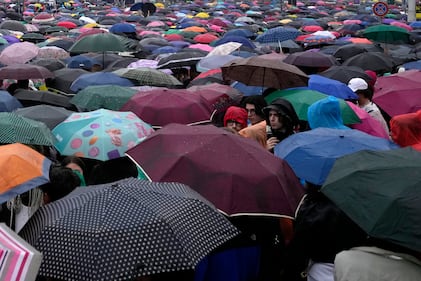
x,y
278,34
99,78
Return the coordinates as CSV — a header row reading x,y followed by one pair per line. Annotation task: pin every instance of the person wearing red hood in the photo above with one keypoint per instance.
x,y
235,118
405,129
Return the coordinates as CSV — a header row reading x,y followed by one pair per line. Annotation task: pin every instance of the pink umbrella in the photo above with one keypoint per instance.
x,y
352,22
401,24
203,47
19,53
368,124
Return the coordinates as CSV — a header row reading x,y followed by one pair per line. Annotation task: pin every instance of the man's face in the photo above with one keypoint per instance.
x,y
251,114
275,120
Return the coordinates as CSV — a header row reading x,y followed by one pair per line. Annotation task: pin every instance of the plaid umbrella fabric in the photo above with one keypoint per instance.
x,y
15,128
278,34
124,230
148,77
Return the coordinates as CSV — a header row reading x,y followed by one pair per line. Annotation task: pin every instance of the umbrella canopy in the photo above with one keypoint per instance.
x,y
345,73
98,78
101,42
311,154
378,202
146,76
111,97
214,62
8,102
162,106
302,98
47,114
25,71
15,128
216,163
257,71
63,79
278,34
131,228
311,59
387,34
181,59
30,98
331,87
23,168
18,53
101,134
50,64
375,61
399,93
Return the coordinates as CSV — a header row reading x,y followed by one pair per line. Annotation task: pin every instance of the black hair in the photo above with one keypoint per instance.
x,y
62,181
76,160
112,170
258,101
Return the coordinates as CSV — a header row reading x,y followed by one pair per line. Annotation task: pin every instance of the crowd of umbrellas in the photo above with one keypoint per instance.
x,y
152,83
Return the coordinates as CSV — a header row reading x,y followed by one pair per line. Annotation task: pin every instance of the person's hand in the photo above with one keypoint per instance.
x,y
271,143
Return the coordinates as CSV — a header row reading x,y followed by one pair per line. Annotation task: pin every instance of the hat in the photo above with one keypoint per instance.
x,y
357,84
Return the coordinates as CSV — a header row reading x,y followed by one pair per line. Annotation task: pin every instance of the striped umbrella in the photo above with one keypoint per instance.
x,y
15,128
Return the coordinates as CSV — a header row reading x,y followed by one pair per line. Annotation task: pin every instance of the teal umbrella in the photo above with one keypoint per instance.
x,y
386,34
381,192
101,134
301,98
100,42
111,97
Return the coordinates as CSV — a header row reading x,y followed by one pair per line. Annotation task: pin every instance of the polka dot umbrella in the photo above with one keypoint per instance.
x,y
125,230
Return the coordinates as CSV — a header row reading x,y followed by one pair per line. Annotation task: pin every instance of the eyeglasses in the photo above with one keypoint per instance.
x,y
251,111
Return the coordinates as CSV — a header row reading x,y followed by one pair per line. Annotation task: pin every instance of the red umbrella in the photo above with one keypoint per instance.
x,y
236,174
312,28
67,24
205,38
162,106
174,37
399,93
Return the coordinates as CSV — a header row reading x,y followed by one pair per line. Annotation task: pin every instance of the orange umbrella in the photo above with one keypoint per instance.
x,y
23,168
195,29
357,40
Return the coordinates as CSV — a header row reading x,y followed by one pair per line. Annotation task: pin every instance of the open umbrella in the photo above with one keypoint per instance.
x,y
63,79
15,128
236,174
380,191
257,71
98,78
302,98
311,154
24,71
47,114
124,230
23,168
385,33
331,87
19,53
101,42
162,106
345,73
101,134
8,102
111,97
375,61
146,76
30,98
311,59
399,93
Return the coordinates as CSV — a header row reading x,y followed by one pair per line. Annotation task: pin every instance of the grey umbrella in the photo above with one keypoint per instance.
x,y
47,114
124,230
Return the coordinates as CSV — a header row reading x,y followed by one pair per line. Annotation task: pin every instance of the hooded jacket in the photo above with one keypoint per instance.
x,y
326,113
406,129
287,111
238,114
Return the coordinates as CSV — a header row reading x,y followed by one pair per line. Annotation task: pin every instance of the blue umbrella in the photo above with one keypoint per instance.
x,y
122,28
99,78
165,50
412,65
248,90
330,87
240,32
232,38
311,154
81,61
8,102
415,24
278,34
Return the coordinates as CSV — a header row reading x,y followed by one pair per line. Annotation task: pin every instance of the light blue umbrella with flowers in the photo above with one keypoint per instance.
x,y
101,134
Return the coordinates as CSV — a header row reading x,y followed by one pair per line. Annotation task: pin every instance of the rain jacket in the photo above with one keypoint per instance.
x,y
286,110
238,114
326,113
405,129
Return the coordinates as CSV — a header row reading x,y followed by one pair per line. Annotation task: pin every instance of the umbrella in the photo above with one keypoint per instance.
x,y
47,114
146,76
23,168
111,97
387,34
30,98
15,128
124,230
18,53
162,106
217,164
63,79
98,78
24,71
302,98
8,102
102,42
180,59
310,59
399,93
213,62
225,49
311,154
377,189
278,34
331,87
81,61
257,71
375,61
101,134
345,73
50,64
347,51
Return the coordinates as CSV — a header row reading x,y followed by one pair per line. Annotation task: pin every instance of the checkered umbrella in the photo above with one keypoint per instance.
x,y
146,76
278,34
15,128
124,230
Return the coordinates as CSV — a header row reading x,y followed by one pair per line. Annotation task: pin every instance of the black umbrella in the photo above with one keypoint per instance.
x,y
63,78
347,51
124,230
47,114
345,73
375,61
50,64
31,98
181,59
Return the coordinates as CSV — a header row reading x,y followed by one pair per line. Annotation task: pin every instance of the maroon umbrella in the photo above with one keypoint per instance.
x,y
25,71
162,106
236,174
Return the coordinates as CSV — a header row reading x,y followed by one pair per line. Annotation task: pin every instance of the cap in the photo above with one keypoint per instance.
x,y
357,84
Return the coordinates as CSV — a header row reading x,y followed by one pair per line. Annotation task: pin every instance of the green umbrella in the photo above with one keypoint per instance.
x,y
381,192
110,97
15,128
101,42
302,98
146,76
386,34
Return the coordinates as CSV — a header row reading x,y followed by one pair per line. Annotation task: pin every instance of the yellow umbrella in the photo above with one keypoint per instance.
x,y
160,5
285,21
202,15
